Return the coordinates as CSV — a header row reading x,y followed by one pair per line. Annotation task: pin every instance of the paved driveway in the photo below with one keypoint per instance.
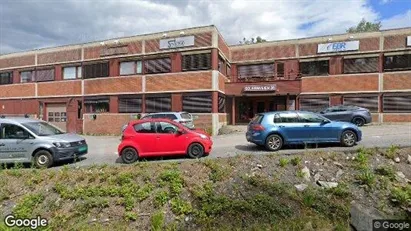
x,y
102,148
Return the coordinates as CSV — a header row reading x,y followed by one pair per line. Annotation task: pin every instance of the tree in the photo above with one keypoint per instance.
x,y
365,26
258,39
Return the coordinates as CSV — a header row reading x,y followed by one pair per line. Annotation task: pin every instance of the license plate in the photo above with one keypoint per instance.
x,y
82,149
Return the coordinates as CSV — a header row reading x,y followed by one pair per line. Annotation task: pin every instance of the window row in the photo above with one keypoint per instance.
x,y
192,102
391,102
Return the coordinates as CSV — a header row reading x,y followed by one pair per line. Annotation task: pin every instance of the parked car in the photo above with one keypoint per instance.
x,y
184,118
28,140
161,137
276,129
356,115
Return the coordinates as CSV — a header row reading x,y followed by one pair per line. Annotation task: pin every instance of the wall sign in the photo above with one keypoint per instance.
x,y
178,42
338,46
257,88
409,41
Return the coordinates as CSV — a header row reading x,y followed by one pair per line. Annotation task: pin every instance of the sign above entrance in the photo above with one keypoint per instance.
x,y
258,88
338,46
177,42
409,41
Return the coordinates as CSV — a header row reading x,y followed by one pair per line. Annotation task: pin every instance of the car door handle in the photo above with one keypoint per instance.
x,y
306,125
2,145
281,126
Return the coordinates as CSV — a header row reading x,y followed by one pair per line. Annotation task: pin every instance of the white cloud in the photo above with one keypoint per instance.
x,y
398,21
383,2
73,21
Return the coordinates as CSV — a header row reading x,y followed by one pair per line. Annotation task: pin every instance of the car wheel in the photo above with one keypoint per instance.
x,y
195,150
359,121
348,138
274,142
43,159
129,155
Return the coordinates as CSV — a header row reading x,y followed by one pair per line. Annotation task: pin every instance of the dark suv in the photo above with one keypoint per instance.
x,y
356,115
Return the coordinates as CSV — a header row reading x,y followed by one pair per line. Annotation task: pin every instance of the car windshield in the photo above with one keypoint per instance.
x,y
42,129
186,115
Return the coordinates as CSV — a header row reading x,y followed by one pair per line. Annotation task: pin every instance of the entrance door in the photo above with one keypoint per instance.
x,y
260,107
57,115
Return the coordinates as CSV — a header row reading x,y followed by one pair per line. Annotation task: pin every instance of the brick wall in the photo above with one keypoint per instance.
x,y
113,85
59,56
397,81
401,117
105,123
221,82
204,121
178,81
59,88
307,49
395,41
223,47
363,82
370,44
17,106
25,60
260,53
18,90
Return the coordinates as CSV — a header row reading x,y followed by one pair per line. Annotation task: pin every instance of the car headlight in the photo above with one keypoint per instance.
x,y
203,136
62,144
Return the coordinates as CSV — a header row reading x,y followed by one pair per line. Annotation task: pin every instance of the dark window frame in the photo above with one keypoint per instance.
x,y
190,98
92,103
319,64
134,67
36,74
104,72
3,75
191,62
127,98
362,67
145,63
31,76
394,58
157,96
77,67
262,70
401,107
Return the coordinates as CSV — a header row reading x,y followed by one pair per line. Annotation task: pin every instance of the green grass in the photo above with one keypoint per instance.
x,y
284,162
25,207
296,161
366,177
218,172
392,151
386,170
402,195
157,221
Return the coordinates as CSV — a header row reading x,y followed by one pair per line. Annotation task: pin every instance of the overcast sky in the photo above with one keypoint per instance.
x,y
31,24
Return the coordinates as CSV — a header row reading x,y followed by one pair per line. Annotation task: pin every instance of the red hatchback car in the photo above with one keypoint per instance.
x,y
161,137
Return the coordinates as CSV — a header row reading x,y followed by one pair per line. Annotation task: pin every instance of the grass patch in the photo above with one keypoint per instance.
x,y
366,177
402,195
218,172
296,161
26,206
392,151
157,221
386,170
180,207
284,162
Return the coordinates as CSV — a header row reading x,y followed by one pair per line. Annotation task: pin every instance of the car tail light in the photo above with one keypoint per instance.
x,y
257,127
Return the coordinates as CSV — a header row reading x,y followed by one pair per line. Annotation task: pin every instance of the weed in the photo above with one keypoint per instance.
x,y
90,203
365,151
362,160
309,198
144,192
161,198
178,206
25,207
124,178
218,172
296,161
284,162
130,216
157,221
402,195
366,177
341,190
299,173
174,180
391,151
386,171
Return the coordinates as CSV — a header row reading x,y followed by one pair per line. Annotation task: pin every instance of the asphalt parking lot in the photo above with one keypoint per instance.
x,y
102,149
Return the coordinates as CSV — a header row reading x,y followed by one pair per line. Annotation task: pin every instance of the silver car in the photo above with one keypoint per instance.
x,y
347,113
183,118
25,140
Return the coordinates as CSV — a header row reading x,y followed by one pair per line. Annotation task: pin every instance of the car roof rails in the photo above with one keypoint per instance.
x,y
25,116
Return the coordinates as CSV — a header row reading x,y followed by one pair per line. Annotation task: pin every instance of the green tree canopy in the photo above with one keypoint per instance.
x,y
258,39
365,26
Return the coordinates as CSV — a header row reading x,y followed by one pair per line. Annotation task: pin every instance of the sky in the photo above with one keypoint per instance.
x,y
30,24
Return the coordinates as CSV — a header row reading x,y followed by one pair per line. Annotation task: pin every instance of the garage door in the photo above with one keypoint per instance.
x,y
57,115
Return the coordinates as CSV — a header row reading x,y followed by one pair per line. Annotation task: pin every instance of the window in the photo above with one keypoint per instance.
x,y
366,101
44,75
158,103
72,72
129,104
164,116
286,118
164,127
397,62
11,131
310,118
130,68
26,76
361,65
196,62
198,102
79,109
97,104
221,65
96,70
147,127
314,68
280,69
221,103
314,104
256,70
397,102
6,78
154,66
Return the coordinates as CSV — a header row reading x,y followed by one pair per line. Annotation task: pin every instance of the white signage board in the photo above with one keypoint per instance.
x,y
178,42
338,46
409,41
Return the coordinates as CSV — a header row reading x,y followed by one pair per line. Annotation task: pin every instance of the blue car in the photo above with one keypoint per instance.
x,y
273,130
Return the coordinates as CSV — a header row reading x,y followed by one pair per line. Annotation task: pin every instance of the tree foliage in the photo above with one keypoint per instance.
x,y
365,26
258,39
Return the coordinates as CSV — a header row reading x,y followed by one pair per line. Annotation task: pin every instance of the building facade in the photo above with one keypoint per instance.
x,y
95,88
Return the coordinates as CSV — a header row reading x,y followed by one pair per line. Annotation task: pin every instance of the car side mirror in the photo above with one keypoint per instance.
x,y
325,122
22,135
322,112
180,131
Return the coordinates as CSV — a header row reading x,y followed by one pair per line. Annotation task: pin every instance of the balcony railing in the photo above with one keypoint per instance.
x,y
268,78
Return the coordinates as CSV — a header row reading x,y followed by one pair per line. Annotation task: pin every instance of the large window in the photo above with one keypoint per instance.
x,y
366,101
314,68
130,67
158,103
26,76
256,71
44,75
221,103
153,66
6,78
72,72
97,104
397,62
198,102
360,65
95,70
129,104
221,66
196,62
314,104
397,102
